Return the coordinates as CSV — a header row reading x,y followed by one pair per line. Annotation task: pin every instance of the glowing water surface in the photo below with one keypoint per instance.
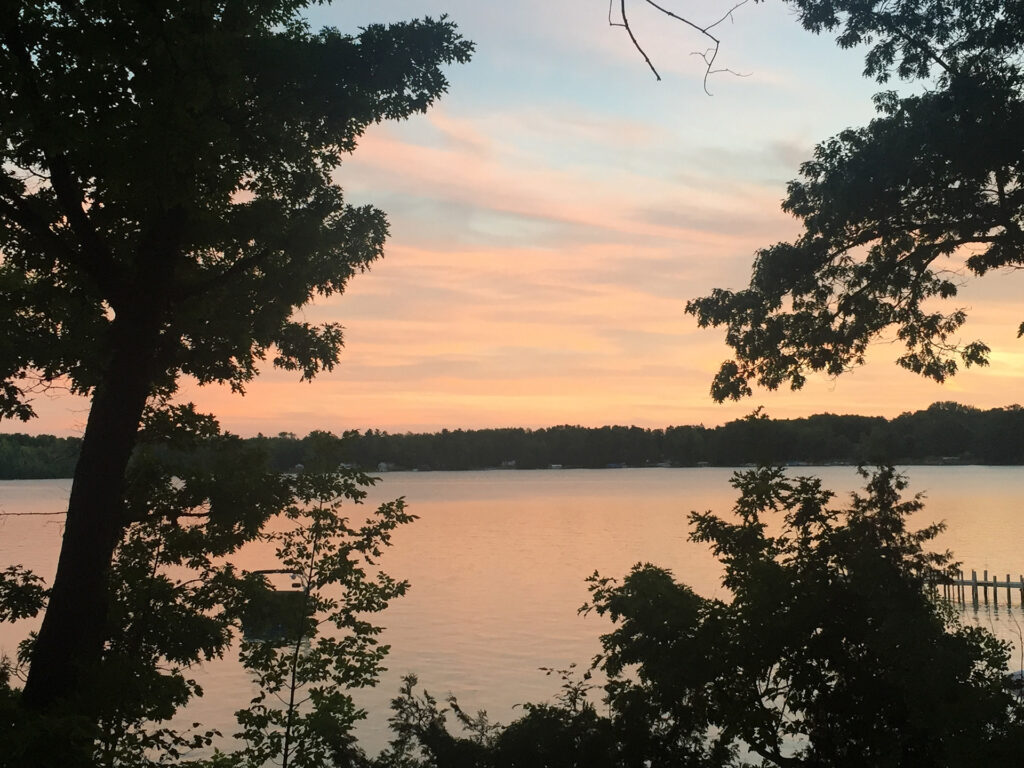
x,y
498,559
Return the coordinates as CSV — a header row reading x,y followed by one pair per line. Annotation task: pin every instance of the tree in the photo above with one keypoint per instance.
x,y
833,649
196,497
303,714
891,211
568,733
168,202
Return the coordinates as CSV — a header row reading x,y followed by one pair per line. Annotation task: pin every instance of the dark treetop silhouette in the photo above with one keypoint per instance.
x,y
828,650
168,201
945,432
933,183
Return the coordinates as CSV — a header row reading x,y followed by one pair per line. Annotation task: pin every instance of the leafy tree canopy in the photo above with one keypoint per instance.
x,y
933,183
168,201
196,498
171,165
831,649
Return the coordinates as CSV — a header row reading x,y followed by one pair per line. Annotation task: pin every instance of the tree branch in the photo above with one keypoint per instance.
x,y
777,757
94,257
242,265
17,214
927,50
629,31
709,56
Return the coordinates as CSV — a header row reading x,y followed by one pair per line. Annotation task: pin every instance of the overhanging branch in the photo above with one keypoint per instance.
x,y
709,55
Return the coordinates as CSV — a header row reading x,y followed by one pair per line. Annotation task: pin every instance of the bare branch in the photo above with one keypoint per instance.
x,y
709,56
31,514
709,59
728,15
629,31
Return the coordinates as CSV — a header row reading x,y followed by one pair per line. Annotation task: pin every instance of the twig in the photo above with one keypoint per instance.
x,y
709,56
30,514
710,71
629,31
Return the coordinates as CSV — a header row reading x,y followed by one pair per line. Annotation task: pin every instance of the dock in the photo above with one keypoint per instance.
x,y
976,590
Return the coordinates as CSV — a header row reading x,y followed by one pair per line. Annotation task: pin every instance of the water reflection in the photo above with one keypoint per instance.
x,y
497,563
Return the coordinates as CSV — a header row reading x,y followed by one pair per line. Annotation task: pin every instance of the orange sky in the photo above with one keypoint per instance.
x,y
551,218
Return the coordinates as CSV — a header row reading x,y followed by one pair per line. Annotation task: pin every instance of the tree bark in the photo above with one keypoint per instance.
x,y
73,632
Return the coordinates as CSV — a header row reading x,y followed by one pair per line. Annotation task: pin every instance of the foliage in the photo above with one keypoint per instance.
x,y
168,201
22,594
833,650
196,497
945,432
24,457
333,648
568,733
174,164
892,212
422,739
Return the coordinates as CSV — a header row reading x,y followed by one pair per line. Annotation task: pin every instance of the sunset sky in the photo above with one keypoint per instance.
x,y
552,215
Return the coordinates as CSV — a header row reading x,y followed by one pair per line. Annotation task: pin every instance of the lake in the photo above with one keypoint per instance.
x,y
497,563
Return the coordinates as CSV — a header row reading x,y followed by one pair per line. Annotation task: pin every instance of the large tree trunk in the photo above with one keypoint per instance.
x,y
73,632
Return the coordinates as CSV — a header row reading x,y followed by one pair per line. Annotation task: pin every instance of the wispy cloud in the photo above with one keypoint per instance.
x,y
553,214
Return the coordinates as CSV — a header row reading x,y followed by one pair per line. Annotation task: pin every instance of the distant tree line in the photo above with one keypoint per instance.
x,y
37,456
944,432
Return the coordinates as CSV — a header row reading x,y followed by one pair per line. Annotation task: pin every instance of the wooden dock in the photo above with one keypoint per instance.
x,y
976,590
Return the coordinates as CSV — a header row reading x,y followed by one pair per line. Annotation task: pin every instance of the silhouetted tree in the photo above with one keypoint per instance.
x,y
933,182
194,498
942,431
832,649
168,201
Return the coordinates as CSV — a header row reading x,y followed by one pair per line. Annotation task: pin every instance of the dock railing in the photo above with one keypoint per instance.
x,y
963,590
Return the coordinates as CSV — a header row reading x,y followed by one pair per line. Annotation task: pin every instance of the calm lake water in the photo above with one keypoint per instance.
x,y
497,563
